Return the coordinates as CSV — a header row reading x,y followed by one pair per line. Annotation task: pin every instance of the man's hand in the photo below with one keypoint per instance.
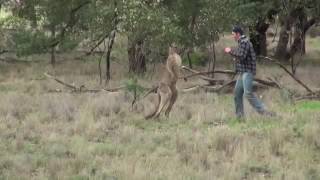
x,y
227,50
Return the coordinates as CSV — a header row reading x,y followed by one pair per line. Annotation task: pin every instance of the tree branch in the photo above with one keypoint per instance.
x,y
287,71
69,24
82,88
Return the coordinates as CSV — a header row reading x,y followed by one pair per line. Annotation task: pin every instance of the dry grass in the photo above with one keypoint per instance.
x,y
98,136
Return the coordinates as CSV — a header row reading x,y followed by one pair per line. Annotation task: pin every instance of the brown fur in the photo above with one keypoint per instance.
x,y
167,90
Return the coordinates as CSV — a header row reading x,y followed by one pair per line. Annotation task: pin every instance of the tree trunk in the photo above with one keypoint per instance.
x,y
295,16
281,51
110,45
213,57
137,58
53,57
189,58
298,47
258,37
299,42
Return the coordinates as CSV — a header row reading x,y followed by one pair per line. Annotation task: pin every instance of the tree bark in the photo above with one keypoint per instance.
x,y
296,18
258,37
299,43
281,51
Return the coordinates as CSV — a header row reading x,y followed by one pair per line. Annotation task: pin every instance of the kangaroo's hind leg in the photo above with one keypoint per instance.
x,y
165,95
156,107
172,100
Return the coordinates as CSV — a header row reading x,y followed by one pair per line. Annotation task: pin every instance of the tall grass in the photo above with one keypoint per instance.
x,y
45,135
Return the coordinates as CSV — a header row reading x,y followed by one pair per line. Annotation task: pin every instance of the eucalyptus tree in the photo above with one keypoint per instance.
x,y
45,26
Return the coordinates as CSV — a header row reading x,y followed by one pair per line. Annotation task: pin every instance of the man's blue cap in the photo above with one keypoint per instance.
x,y
237,29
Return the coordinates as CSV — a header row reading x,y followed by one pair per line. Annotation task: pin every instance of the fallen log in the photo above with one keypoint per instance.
x,y
212,81
82,88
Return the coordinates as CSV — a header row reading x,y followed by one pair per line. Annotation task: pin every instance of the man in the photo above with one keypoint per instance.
x,y
245,58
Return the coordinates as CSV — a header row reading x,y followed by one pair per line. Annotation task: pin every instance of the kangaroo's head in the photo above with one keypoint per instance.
x,y
173,48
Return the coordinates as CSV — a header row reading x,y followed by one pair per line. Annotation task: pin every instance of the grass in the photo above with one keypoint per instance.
x,y
309,106
45,135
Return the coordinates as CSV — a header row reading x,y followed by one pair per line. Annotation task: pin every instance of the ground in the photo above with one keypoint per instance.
x,y
51,135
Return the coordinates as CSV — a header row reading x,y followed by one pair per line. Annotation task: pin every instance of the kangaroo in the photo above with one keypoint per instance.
x,y
166,90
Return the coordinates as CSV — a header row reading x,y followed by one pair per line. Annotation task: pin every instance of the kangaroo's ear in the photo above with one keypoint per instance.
x,y
173,45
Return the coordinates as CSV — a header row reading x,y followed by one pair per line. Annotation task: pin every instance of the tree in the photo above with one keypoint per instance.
x,y
216,18
143,22
258,16
100,23
45,26
297,17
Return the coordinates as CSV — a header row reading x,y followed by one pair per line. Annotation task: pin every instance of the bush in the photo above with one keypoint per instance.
x,y
197,58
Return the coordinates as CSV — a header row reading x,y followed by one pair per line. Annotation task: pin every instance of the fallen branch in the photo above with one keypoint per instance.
x,y
221,82
197,73
211,81
82,88
309,96
267,83
11,60
287,71
219,88
61,82
192,88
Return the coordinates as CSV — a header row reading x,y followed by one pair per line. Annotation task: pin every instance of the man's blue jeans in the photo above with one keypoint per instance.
x,y
244,88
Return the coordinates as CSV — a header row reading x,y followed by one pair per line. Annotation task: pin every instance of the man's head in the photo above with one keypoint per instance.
x,y
237,32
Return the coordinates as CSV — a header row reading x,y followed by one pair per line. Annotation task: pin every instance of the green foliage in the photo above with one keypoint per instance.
x,y
28,42
133,87
197,58
156,23
251,11
37,25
